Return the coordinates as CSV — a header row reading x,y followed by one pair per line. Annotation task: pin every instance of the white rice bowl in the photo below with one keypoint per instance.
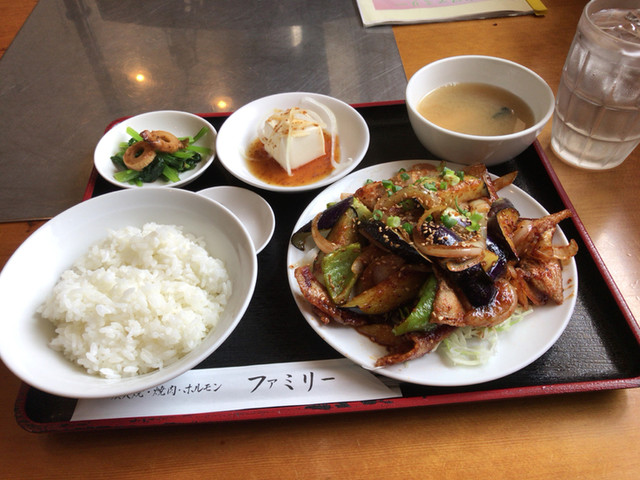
x,y
137,301
185,339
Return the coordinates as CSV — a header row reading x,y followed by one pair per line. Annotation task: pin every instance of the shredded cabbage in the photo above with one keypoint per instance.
x,y
470,346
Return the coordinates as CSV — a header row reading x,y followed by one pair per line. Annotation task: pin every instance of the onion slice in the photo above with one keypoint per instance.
x,y
565,252
427,199
322,243
459,250
558,252
461,266
332,124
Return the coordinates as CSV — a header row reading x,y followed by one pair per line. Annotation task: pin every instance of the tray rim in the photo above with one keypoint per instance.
x,y
34,426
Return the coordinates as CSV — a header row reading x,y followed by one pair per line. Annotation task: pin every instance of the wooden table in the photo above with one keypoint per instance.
x,y
587,435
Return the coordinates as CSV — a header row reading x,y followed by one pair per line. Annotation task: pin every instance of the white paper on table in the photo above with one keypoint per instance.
x,y
239,388
383,12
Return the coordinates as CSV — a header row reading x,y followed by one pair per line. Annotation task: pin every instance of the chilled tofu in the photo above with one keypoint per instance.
x,y
293,137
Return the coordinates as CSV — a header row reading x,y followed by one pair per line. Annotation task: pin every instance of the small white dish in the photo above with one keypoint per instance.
x,y
252,210
241,129
181,124
35,267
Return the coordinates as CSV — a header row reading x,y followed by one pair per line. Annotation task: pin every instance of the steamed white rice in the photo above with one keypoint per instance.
x,y
137,301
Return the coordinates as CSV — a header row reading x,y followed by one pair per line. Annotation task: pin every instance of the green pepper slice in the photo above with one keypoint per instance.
x,y
419,318
336,269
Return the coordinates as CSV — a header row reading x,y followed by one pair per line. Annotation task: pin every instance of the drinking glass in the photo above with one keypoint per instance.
x,y
596,123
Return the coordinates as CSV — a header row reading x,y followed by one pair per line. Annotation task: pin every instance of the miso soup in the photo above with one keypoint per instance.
x,y
476,109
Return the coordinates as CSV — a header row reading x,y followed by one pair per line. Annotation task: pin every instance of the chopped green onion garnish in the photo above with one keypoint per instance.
x,y
461,210
475,218
448,220
408,204
393,222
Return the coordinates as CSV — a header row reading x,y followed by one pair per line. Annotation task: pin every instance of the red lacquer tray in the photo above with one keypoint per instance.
x,y
599,350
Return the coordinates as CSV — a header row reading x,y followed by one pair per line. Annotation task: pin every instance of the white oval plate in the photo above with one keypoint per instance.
x,y
35,267
241,129
517,347
252,210
181,124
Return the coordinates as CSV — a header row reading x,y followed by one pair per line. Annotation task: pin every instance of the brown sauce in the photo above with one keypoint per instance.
x,y
266,168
